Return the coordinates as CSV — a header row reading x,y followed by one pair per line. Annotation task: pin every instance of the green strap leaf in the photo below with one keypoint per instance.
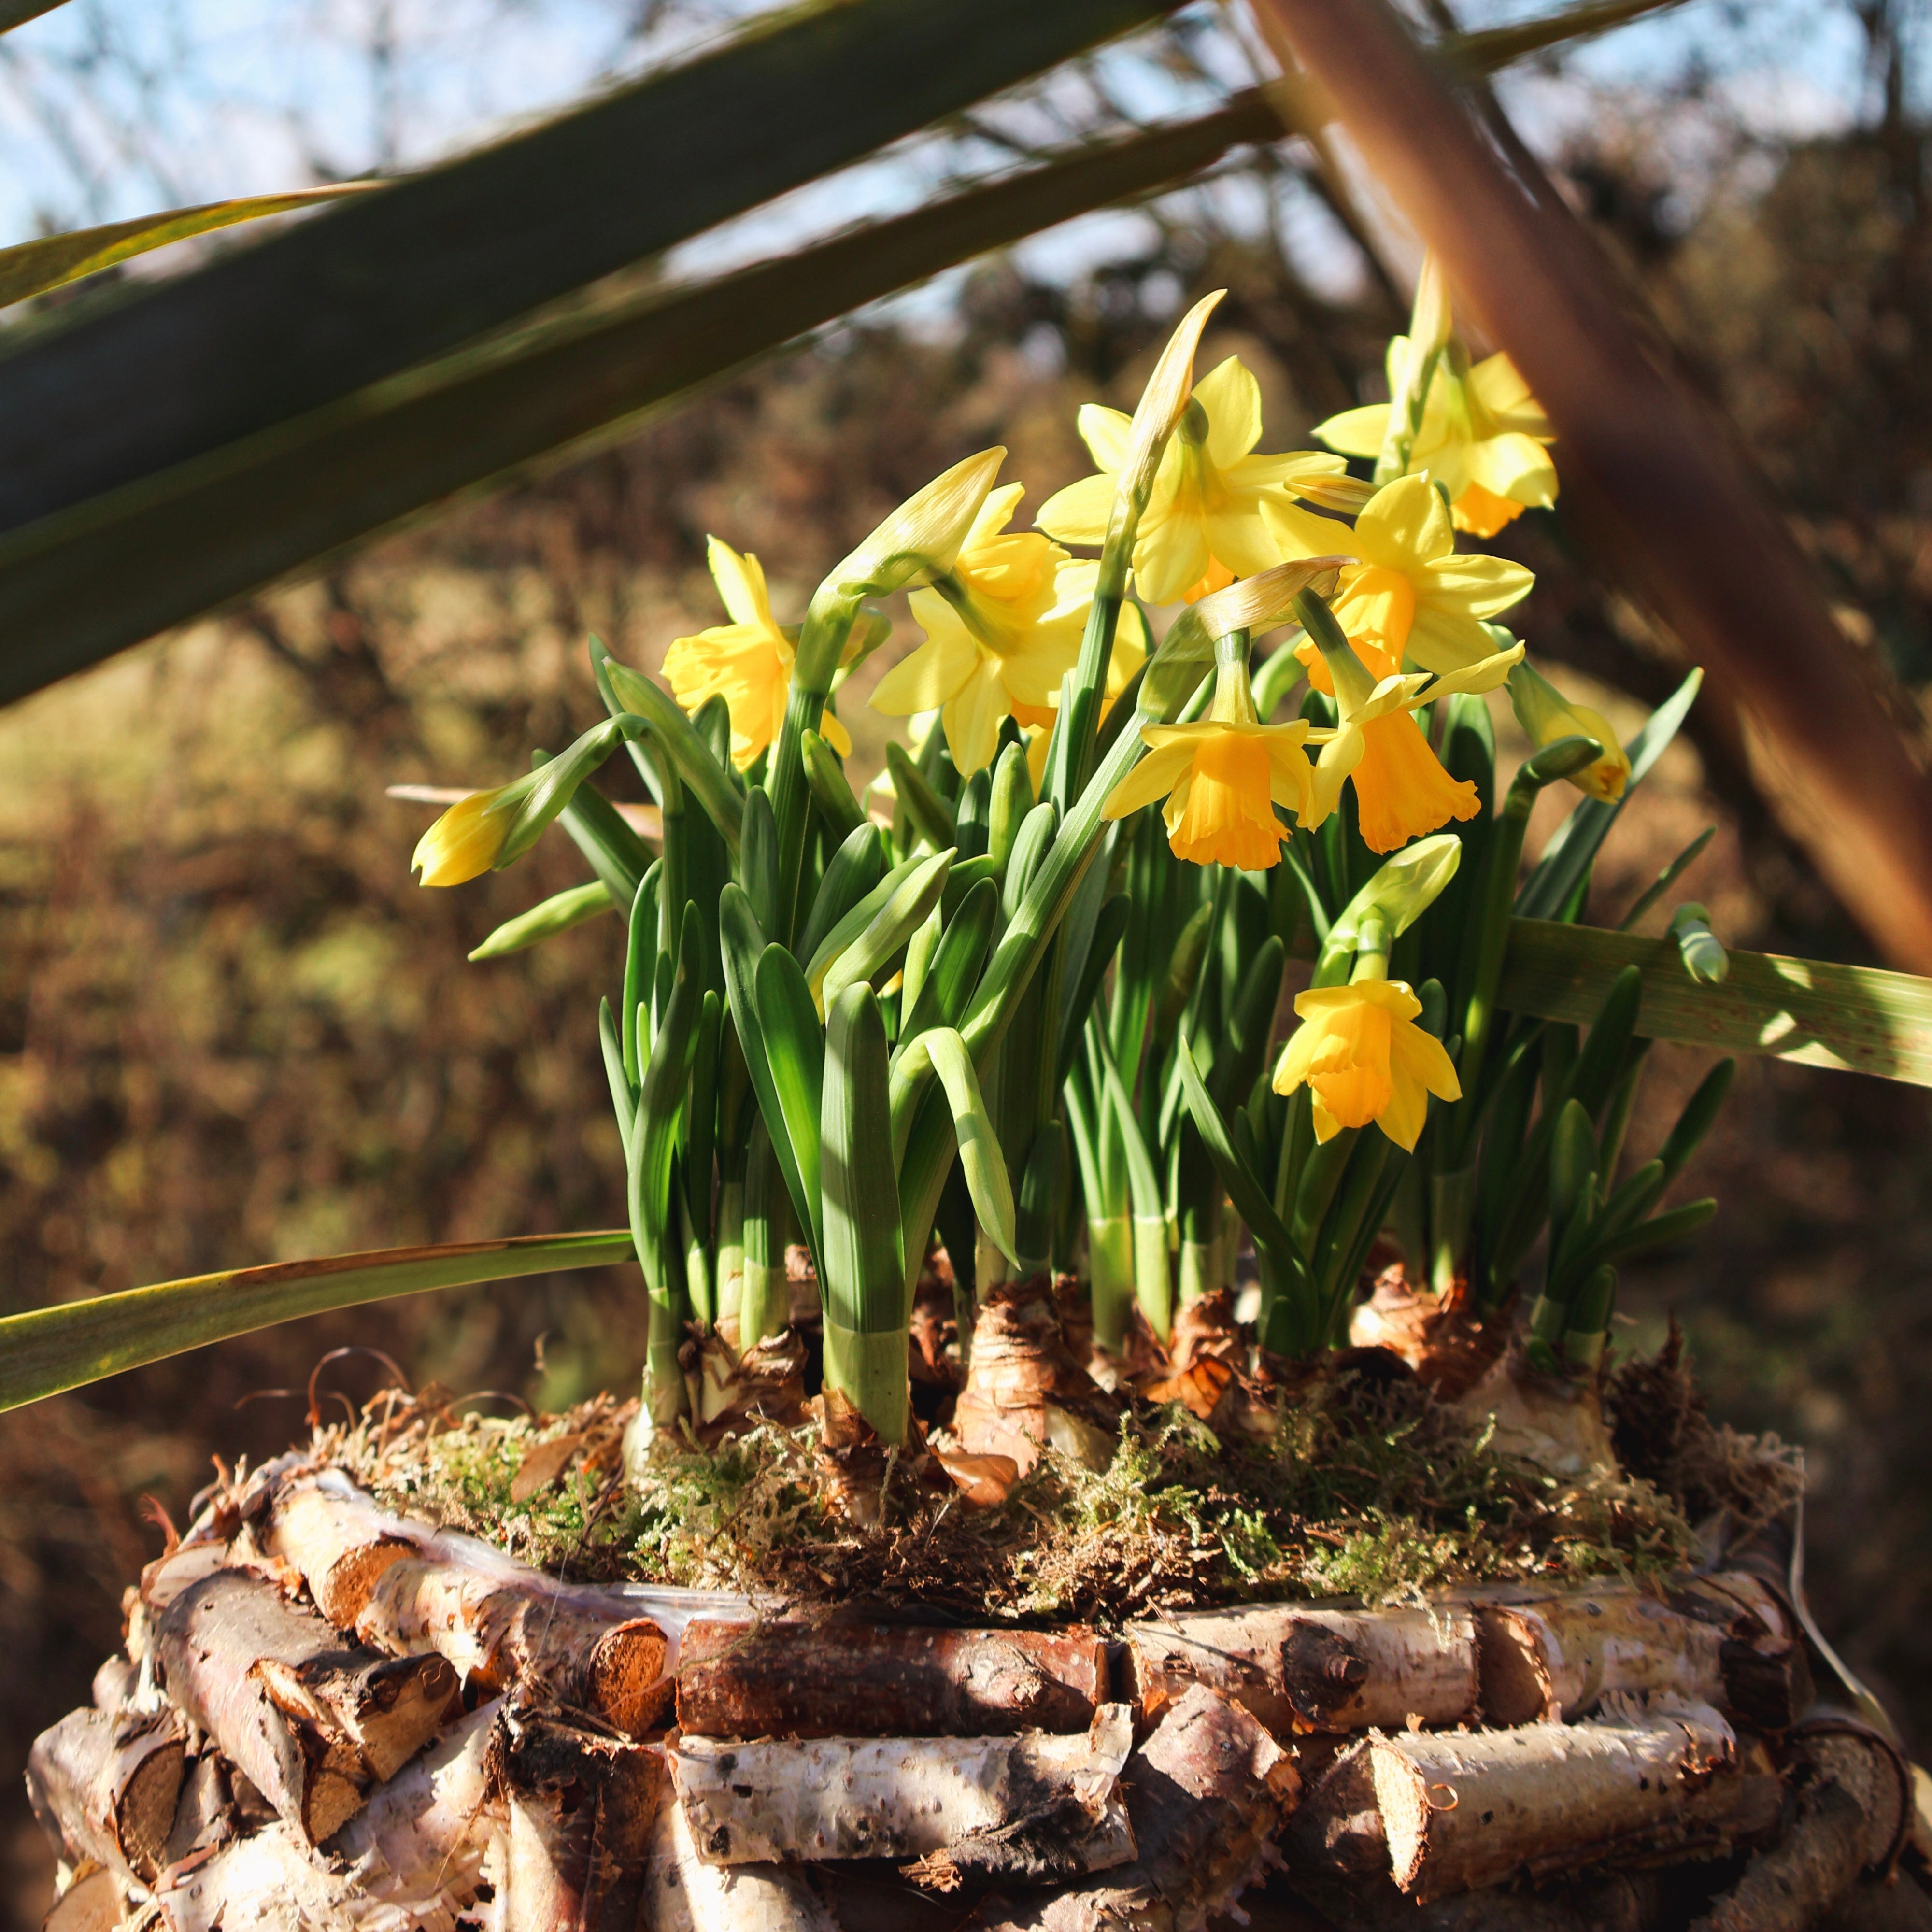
x,y
1815,1012
954,969
1249,1197
795,1048
858,914
32,268
557,913
661,1100
710,783
830,792
932,817
47,1350
900,917
940,1051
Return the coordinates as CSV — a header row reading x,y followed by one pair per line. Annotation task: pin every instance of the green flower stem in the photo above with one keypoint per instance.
x,y
828,619
1110,1274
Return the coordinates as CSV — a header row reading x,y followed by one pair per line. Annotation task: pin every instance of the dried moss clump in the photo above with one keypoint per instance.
x,y
1369,1487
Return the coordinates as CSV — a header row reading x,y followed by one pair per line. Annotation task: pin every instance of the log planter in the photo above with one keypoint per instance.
x,y
331,1715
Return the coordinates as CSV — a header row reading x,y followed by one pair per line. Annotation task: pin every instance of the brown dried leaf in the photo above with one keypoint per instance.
x,y
542,1466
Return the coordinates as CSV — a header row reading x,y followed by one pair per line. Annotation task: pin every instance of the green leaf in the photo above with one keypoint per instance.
x,y
954,969
758,857
829,790
1008,802
48,261
1659,1232
623,1094
1244,1190
661,1100
1666,879
743,945
438,260
863,1282
940,1051
602,833
855,870
931,816
47,1350
1574,845
795,1047
853,922
710,783
557,913
1035,835
910,907
1815,1012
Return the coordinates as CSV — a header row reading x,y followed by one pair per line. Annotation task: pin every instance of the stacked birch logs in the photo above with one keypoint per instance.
x,y
331,1716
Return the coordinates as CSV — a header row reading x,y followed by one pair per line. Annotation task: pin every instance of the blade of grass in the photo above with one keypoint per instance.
x,y
47,1350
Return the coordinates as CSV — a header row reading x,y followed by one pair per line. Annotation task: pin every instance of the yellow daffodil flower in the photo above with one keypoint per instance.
x,y
1483,438
1365,1059
1202,526
748,661
1409,595
1401,789
1546,715
1222,778
468,839
921,539
1002,627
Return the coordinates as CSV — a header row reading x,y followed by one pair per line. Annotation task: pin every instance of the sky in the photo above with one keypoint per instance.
x,y
110,108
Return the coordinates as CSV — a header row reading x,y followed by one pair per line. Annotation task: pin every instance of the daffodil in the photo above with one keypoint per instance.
x,y
1401,788
748,661
1364,1059
1482,437
1003,626
468,838
1546,715
1203,524
1221,778
1408,594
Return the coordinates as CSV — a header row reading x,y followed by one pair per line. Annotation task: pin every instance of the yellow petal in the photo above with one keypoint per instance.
x,y
971,716
741,584
1170,555
1232,399
1448,642
1426,1060
1407,1112
1405,524
1300,532
929,676
1153,777
1356,432
1515,467
1078,514
1104,431
834,733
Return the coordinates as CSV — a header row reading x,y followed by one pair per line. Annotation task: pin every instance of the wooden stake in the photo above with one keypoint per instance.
x,y
739,1679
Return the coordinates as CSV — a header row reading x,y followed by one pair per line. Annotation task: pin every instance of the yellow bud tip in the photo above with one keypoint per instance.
x,y
464,843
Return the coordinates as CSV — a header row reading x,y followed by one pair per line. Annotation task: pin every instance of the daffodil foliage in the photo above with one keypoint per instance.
x,y
1029,989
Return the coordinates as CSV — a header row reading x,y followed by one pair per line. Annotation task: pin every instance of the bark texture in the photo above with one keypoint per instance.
x,y
103,1785
1300,1669
1033,1807
1454,1811
748,1680
1557,1658
310,1721
1206,1792
683,1893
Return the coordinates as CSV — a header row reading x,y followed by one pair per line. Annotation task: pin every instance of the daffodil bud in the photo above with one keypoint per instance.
x,y
491,829
921,539
1403,888
1546,715
1430,323
1158,413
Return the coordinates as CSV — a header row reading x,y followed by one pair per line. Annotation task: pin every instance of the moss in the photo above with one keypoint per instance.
x,y
1368,1488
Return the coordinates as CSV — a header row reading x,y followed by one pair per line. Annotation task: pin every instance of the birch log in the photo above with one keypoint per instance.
x,y
1033,1807
1206,1792
309,1722
583,1811
1443,1812
683,1893
749,1680
1557,1657
500,1625
92,1903
1297,1669
339,1539
103,1784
